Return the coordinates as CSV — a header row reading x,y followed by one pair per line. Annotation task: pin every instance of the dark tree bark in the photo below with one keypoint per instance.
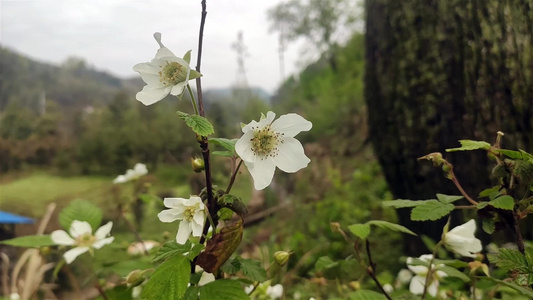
x,y
439,71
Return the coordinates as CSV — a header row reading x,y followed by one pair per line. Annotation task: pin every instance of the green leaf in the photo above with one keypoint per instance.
x,y
488,225
448,199
360,230
431,210
223,153
401,203
253,269
453,272
171,249
234,203
324,263
224,143
391,226
482,205
509,259
192,293
169,280
467,145
504,202
490,192
223,289
80,210
514,286
220,247
366,295
511,153
200,125
30,241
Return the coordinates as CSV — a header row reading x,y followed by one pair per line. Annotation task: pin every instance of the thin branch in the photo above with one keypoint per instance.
x,y
199,60
370,270
233,176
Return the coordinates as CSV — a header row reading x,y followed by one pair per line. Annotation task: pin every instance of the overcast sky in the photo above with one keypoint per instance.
x,y
114,35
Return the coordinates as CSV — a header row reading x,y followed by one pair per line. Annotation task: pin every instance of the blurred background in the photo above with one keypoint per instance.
x,y
383,82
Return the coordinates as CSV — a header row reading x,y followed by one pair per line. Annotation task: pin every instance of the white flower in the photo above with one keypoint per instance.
x,y
388,288
461,240
81,236
404,276
165,74
137,248
205,278
14,296
189,211
132,174
268,144
419,280
275,292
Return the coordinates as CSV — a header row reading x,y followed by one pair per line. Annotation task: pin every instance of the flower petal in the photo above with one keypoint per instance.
x,y
178,88
169,215
417,285
197,228
71,254
262,171
243,147
140,169
120,179
176,203
291,125
184,231
61,237
150,95
291,156
100,243
79,228
206,278
103,231
150,73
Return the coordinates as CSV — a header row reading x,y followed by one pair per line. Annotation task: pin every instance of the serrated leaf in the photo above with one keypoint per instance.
x,y
509,259
231,266
169,281
171,249
488,225
453,272
391,226
200,125
360,230
514,286
467,145
511,153
191,293
401,203
482,205
223,289
366,295
252,269
220,247
324,263
504,202
80,210
431,210
30,241
448,199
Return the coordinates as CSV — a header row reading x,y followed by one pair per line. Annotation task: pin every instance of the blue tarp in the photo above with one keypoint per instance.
x,y
9,218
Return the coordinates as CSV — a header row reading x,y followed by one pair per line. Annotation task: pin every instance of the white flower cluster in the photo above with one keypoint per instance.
x,y
132,174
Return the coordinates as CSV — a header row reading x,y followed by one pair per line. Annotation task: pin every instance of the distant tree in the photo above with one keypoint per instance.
x,y
322,22
440,71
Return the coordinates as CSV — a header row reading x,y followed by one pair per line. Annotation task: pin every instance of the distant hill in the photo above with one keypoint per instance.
x,y
73,84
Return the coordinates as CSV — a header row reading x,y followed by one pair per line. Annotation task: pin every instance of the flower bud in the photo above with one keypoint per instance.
x,y
355,285
134,278
281,258
198,164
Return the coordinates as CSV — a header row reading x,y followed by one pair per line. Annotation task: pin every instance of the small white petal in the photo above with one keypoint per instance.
x,y
275,292
177,203
433,288
140,169
196,228
103,231
262,172
291,156
178,88
206,278
79,228
150,95
291,124
461,239
417,285
119,179
61,237
100,243
71,254
184,231
199,217
169,215
243,147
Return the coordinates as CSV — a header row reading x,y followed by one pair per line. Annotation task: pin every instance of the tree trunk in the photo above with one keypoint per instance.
x,y
439,71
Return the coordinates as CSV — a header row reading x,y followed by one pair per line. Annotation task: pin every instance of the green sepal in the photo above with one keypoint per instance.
x,y
187,57
194,74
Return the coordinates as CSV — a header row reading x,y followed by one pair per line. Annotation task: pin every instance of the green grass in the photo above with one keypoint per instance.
x,y
30,195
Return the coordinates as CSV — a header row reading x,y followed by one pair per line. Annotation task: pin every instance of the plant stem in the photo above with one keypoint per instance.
x,y
100,290
370,270
133,230
192,99
233,176
460,188
199,60
428,275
